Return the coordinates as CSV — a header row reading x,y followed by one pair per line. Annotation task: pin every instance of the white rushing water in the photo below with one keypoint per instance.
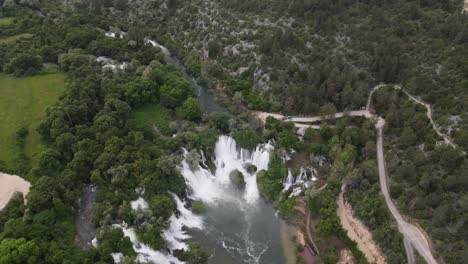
x,y
155,44
175,234
111,65
146,253
213,188
238,227
300,182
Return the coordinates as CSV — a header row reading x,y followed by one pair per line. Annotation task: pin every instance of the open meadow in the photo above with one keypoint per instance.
x,y
23,103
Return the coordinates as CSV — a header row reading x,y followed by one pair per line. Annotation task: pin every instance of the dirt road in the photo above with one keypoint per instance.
x,y
413,98
9,185
358,232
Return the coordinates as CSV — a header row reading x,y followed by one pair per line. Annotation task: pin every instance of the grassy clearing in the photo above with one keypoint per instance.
x,y
6,21
12,39
23,102
143,118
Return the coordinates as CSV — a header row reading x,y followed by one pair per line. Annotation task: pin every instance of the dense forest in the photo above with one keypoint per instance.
x,y
296,56
92,138
428,178
300,55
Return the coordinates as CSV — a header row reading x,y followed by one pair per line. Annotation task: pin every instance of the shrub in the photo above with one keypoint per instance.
x,y
198,207
237,178
24,64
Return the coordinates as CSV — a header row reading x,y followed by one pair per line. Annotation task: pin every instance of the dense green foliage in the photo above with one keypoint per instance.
x,y
88,139
290,56
350,144
24,64
191,110
301,55
269,182
246,138
324,204
198,207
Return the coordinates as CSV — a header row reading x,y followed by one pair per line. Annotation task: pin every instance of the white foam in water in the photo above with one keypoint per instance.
x,y
288,181
146,253
139,203
108,63
298,182
175,234
228,157
155,44
117,257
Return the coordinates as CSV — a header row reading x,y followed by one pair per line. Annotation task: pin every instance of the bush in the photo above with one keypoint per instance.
x,y
197,255
268,186
191,110
286,208
24,64
237,178
250,168
162,206
246,138
198,207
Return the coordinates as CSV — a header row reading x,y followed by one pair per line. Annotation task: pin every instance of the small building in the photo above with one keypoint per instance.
x,y
373,111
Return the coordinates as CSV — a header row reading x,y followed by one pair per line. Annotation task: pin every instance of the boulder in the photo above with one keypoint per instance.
x,y
237,179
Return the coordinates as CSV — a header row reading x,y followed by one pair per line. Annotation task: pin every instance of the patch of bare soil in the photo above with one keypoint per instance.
x,y
11,184
358,232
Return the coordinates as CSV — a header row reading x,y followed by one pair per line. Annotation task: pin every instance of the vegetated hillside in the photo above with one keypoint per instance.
x,y
303,54
427,180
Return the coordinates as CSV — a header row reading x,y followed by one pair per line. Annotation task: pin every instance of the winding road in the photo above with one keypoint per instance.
x,y
428,107
414,237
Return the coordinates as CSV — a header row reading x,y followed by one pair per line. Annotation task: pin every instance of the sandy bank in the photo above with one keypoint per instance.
x,y
358,232
9,185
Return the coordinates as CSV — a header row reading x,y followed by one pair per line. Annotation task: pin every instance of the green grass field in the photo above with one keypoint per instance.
x,y
12,39
6,21
23,102
144,117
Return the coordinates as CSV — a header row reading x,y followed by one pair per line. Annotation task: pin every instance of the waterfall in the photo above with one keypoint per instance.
x,y
300,182
155,44
288,181
212,188
175,233
144,252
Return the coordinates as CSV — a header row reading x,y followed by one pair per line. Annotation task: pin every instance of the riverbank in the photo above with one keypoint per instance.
x,y
358,232
11,184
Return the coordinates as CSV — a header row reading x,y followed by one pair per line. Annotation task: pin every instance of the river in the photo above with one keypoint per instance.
x,y
239,226
205,98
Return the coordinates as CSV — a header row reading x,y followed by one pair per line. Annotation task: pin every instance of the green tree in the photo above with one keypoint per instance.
x,y
191,110
197,255
246,138
19,251
162,206
24,64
